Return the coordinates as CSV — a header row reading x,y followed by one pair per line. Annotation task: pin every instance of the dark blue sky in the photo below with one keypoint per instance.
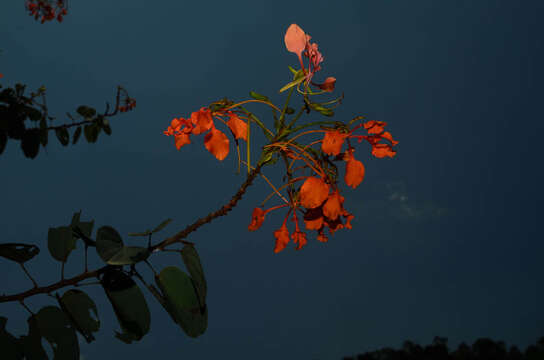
x,y
446,237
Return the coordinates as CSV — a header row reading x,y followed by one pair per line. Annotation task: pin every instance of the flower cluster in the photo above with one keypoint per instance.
x,y
313,194
202,121
130,104
47,12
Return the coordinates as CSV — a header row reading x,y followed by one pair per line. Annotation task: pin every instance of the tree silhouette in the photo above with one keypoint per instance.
x,y
482,349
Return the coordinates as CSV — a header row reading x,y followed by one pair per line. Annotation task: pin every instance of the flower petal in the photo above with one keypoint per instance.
x,y
328,84
257,219
332,142
217,143
313,192
374,127
182,139
333,206
282,238
300,239
237,126
383,150
355,171
202,120
295,39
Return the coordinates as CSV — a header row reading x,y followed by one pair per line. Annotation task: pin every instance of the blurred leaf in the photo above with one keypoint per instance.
x,y
44,133
128,304
322,110
55,327
161,226
18,252
32,343
289,110
85,111
192,262
33,114
76,136
60,242
3,141
91,132
86,227
30,143
145,233
129,255
181,301
78,306
62,135
11,347
291,84
257,96
108,242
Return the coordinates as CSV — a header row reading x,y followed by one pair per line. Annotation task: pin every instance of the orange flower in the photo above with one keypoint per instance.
x,y
217,143
295,40
299,238
332,142
237,126
374,127
383,150
257,219
313,218
322,237
202,120
327,85
282,238
182,139
313,192
333,206
175,125
355,170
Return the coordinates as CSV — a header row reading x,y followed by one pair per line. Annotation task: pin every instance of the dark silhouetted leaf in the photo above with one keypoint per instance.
x,y
145,233
55,327
44,133
3,141
10,347
86,227
161,225
32,343
129,255
32,113
17,252
60,242
78,306
108,242
30,143
192,262
91,132
289,110
76,136
181,301
85,111
62,135
128,304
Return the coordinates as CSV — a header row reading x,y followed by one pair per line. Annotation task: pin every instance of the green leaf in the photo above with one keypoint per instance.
x,y
85,111
181,301
191,260
129,255
289,110
18,252
30,143
55,327
60,242
108,242
3,141
86,227
32,343
62,135
76,136
105,124
78,306
322,110
91,132
11,347
145,233
44,133
257,96
291,84
128,304
161,226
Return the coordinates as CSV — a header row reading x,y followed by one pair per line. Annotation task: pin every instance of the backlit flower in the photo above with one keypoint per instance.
x,y
355,170
332,142
282,238
237,126
202,120
313,192
333,206
299,238
217,143
257,219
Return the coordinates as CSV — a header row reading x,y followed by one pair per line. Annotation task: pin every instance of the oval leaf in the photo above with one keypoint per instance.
x,y
30,143
78,306
128,304
181,301
129,255
55,327
257,96
108,242
62,135
76,136
60,242
161,226
86,111
18,252
11,347
32,343
192,262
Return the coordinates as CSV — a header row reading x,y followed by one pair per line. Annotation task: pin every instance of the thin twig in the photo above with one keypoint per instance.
x,y
28,274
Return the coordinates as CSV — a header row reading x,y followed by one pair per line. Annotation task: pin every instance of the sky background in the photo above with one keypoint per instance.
x,y
446,238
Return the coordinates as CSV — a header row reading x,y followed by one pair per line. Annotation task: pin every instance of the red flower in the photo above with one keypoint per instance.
x,y
217,143
282,238
313,192
257,219
355,170
237,126
332,142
